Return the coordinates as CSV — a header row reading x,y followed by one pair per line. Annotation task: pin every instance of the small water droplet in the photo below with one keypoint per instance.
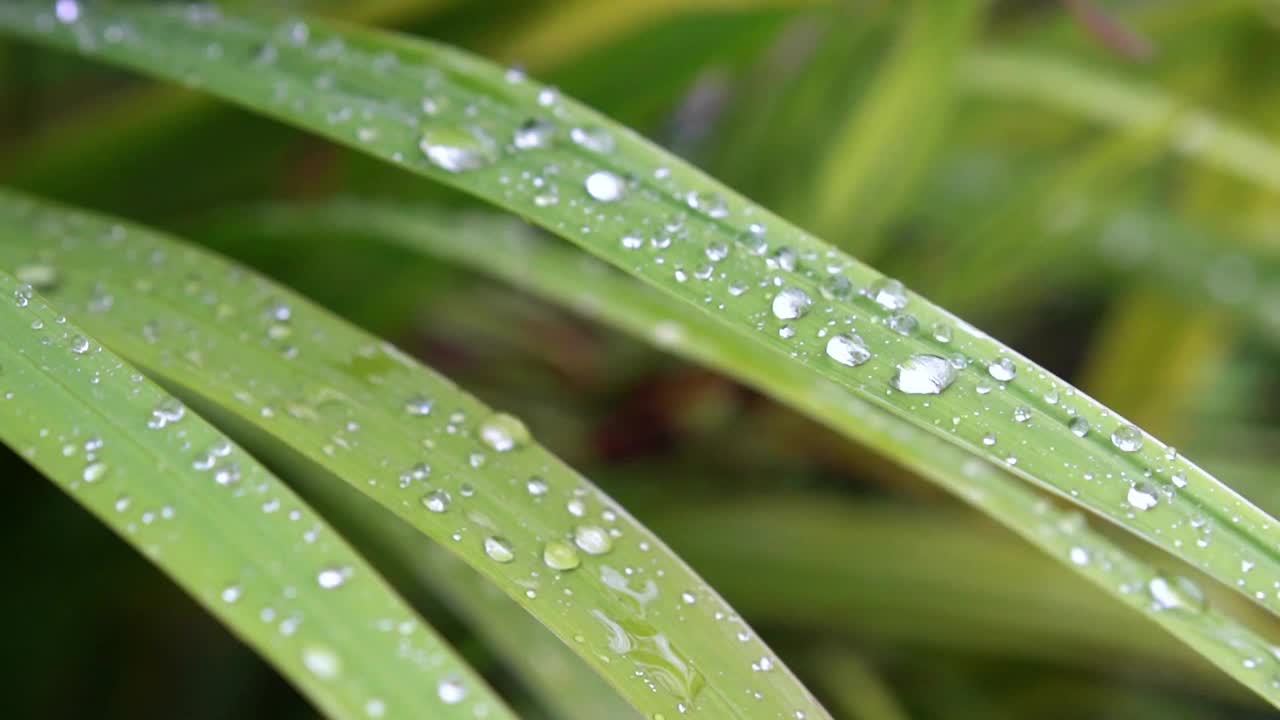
x,y
1079,556
437,501
419,405
456,150
503,432
451,691
1142,496
231,594
498,549
923,375
791,303
1079,426
322,662
594,139
1022,413
888,293
533,134
331,578
848,349
80,345
94,471
1127,438
592,540
1002,370
560,556
605,186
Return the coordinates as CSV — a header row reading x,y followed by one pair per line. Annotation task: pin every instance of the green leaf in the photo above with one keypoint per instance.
x,y
874,160
447,115
469,478
1114,102
514,253
212,518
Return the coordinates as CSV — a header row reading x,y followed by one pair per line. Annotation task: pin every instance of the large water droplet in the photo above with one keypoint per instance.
x,y
924,375
498,549
503,432
456,150
848,349
1127,438
791,303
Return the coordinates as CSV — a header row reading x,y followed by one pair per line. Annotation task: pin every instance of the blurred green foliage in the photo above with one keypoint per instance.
x,y
1132,253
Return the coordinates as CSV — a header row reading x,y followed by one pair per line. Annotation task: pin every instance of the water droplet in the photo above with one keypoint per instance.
x,y
791,303
942,332
230,594
330,578
707,202
498,549
1079,556
924,375
503,432
717,251
1022,413
1002,370
169,411
451,691
437,501
1177,593
419,405
848,349
536,486
1127,438
1142,496
902,323
94,471
533,134
836,287
80,345
888,293
560,556
605,186
593,540
322,662
1079,426
67,11
593,139
1179,479
456,150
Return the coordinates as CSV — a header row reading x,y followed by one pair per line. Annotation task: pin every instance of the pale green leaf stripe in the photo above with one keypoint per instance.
x,y
411,441
396,98
1125,105
877,156
514,253
213,519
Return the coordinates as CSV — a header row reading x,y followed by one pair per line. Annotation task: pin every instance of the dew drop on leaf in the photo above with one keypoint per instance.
x,y
1142,496
923,375
437,501
1002,370
791,303
1127,438
604,186
1177,593
560,556
451,691
1078,426
456,150
848,349
503,432
498,549
888,293
593,540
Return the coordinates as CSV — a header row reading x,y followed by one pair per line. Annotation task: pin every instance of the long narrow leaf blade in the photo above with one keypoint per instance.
x,y
232,535
512,252
468,477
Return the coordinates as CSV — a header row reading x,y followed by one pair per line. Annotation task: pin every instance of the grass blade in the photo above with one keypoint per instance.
x,y
239,541
468,477
512,252
878,155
